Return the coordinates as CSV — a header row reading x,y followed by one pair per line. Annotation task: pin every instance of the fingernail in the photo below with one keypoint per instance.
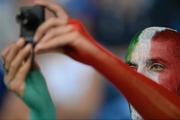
x,y
38,47
28,47
36,50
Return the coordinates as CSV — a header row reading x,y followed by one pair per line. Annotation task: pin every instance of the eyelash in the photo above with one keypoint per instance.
x,y
133,66
152,67
156,67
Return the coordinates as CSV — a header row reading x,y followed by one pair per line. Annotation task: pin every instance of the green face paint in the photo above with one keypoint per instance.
x,y
37,98
140,53
131,47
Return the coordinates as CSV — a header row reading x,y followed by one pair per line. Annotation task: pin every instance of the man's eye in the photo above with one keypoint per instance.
x,y
156,67
133,67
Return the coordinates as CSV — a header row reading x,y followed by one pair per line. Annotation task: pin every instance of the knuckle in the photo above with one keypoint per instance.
x,y
26,50
15,47
76,34
52,31
21,74
39,29
61,21
13,87
55,6
13,66
7,60
51,20
18,86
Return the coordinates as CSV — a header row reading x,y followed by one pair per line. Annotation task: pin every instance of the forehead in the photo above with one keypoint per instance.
x,y
153,44
165,50
142,49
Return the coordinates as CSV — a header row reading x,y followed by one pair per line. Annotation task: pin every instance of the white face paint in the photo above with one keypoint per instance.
x,y
141,54
140,57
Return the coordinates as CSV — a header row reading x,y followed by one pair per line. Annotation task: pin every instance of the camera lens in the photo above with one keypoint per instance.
x,y
30,21
30,18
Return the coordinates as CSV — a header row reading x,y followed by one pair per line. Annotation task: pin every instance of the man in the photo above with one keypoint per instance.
x,y
62,33
155,53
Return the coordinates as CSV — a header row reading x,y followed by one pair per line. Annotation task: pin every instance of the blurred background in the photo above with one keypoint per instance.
x,y
78,91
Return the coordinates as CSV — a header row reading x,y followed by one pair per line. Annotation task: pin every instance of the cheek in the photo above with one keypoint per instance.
x,y
152,75
170,77
170,80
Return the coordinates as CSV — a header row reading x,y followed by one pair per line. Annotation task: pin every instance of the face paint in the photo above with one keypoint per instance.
x,y
164,50
156,57
140,55
147,56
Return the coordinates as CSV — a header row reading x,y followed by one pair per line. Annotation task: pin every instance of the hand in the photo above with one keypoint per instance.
x,y
60,34
30,86
17,59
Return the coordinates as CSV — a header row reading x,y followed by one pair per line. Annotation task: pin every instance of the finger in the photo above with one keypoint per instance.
x,y
52,22
50,50
13,51
18,83
4,55
6,51
54,32
57,42
18,61
54,8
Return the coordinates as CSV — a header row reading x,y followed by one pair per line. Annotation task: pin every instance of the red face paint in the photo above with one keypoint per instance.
x,y
151,100
165,48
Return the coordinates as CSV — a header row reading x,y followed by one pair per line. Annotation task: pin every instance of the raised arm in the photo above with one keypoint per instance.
x,y
151,100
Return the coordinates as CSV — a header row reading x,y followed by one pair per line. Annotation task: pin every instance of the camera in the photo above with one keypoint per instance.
x,y
30,18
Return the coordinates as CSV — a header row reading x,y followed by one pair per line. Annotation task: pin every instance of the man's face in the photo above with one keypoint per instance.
x,y
158,61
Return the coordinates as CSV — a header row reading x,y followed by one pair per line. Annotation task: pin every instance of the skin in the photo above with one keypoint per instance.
x,y
78,44
26,81
17,63
162,64
156,61
167,64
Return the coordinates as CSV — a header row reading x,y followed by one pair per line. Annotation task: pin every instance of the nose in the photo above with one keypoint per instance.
x,y
153,76
142,70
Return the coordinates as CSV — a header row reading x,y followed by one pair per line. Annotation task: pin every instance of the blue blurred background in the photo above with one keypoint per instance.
x,y
78,91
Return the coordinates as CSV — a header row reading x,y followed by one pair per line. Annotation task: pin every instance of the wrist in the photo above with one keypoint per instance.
x,y
87,47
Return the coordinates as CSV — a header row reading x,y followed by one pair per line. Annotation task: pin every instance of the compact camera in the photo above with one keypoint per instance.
x,y
30,18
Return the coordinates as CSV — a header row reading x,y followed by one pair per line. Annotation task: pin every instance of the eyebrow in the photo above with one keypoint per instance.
x,y
131,63
158,60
